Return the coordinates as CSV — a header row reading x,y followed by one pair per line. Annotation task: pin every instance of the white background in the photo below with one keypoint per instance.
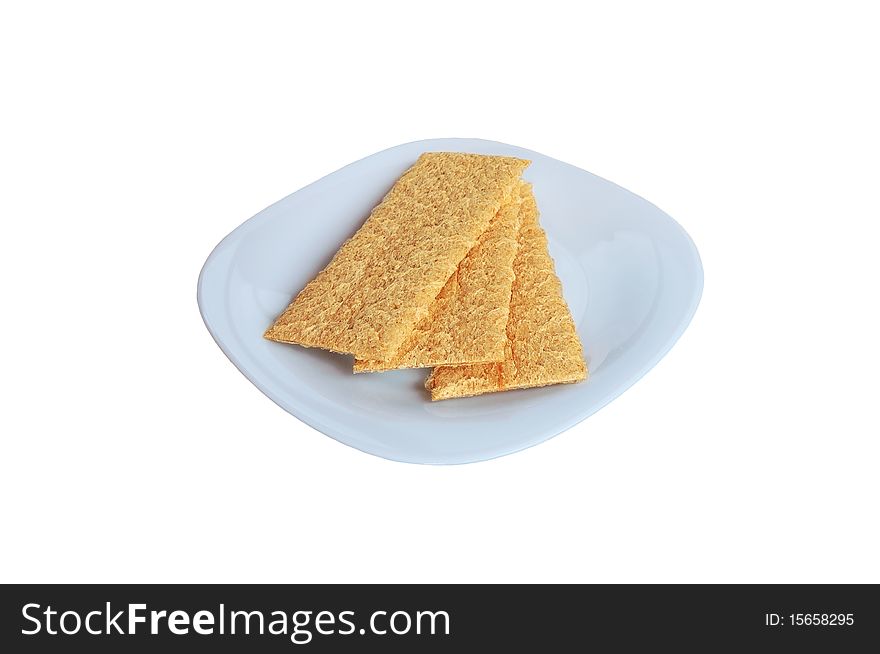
x,y
135,136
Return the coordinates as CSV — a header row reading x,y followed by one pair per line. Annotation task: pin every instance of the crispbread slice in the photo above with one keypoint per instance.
x,y
467,322
381,282
543,347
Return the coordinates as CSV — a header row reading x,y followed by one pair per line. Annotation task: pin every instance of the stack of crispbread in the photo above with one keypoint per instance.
x,y
451,271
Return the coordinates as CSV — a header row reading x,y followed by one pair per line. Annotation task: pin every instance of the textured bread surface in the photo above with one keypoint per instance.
x,y
467,322
542,347
382,281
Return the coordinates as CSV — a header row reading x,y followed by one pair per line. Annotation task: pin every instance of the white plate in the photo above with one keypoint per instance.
x,y
630,274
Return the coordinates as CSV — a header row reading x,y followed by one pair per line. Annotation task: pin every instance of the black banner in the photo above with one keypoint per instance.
x,y
407,618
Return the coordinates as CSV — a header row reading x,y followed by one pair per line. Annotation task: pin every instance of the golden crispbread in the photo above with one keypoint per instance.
x,y
543,347
468,320
382,281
